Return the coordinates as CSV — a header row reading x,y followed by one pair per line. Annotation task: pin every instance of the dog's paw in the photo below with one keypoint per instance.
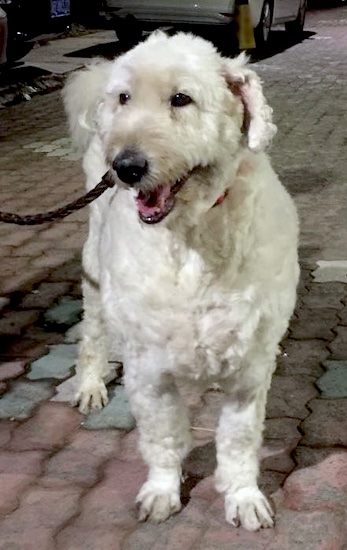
x,y
157,504
91,396
250,508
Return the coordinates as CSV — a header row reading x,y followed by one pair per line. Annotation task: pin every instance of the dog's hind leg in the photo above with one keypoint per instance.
x,y
92,366
164,433
238,441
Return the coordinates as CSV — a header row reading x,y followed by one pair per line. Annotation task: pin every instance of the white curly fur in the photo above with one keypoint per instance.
x,y
205,295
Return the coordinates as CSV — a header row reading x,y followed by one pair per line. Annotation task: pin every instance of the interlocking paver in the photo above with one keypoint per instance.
x,y
17,472
338,346
289,396
41,509
66,313
56,364
116,414
326,425
74,538
22,398
333,383
11,369
49,429
6,429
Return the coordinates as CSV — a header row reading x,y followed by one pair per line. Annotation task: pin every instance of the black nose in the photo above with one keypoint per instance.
x,y
130,166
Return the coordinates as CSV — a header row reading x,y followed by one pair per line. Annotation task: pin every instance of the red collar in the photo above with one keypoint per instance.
x,y
221,198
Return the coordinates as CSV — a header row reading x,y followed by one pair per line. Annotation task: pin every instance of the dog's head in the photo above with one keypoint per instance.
x,y
167,112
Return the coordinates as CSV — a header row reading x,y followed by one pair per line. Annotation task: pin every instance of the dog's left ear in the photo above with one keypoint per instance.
x,y
257,118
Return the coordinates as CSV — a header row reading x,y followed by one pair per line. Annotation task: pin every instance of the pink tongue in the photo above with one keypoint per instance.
x,y
153,202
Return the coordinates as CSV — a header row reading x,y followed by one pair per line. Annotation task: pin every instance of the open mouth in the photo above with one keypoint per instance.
x,y
153,206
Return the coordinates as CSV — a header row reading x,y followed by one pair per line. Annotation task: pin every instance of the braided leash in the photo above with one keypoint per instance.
x,y
106,182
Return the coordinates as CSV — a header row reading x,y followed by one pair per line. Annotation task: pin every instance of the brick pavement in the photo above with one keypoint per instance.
x,y
66,483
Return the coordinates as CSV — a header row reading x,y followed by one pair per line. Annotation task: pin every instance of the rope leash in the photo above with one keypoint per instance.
x,y
106,182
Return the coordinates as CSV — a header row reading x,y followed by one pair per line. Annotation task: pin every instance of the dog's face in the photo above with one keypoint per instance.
x,y
173,107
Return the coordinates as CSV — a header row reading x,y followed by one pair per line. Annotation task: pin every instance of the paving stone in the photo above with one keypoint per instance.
x,y
282,429
73,335
319,487
342,314
201,461
270,480
129,446
28,538
338,347
56,364
27,348
327,271
170,534
65,314
69,271
73,538
22,398
17,472
6,429
4,301
333,383
80,461
233,539
48,429
102,443
41,509
276,455
11,369
71,467
44,295
289,396
112,501
116,414
66,391
302,357
311,456
326,425
314,323
14,322
308,530
327,295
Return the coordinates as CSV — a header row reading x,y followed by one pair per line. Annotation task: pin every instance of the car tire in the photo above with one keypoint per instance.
x,y
296,28
128,31
262,30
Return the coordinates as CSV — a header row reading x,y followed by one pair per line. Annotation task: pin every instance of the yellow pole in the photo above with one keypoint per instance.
x,y
245,31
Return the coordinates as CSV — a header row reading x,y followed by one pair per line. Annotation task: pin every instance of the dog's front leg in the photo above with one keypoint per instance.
x,y
164,434
238,440
92,365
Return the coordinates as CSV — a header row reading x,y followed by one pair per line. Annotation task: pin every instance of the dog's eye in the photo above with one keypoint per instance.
x,y
180,100
124,98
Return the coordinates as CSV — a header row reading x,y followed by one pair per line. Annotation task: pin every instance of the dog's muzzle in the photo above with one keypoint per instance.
x,y
153,205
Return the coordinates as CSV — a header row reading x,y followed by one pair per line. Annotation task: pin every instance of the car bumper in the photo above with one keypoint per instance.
x,y
170,17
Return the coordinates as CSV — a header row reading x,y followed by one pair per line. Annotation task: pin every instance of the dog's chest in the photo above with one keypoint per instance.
x,y
160,292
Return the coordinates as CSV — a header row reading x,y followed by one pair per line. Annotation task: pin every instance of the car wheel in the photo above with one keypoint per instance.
x,y
262,30
128,31
295,28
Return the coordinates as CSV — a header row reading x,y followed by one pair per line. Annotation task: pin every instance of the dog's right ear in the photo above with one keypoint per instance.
x,y
81,95
246,84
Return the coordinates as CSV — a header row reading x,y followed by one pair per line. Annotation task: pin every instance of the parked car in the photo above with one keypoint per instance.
x,y
130,17
26,21
3,37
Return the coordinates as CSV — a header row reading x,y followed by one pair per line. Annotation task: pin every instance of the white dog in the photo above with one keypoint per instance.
x,y
191,260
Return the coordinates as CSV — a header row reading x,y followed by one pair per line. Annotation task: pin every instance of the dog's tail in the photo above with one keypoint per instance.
x,y
81,94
